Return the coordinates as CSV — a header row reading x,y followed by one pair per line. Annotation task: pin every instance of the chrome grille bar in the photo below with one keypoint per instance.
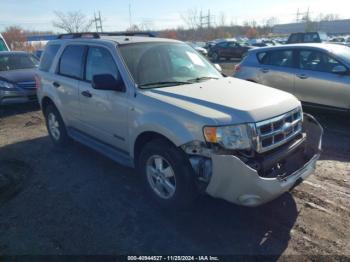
x,y
277,131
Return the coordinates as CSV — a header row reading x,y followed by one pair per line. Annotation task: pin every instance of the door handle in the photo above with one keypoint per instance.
x,y
55,84
86,94
264,70
302,76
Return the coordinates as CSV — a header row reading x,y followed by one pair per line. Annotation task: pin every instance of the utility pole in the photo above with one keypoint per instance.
x,y
98,22
205,20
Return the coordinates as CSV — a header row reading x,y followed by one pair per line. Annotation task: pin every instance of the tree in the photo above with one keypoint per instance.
x,y
15,37
251,33
191,18
72,22
169,34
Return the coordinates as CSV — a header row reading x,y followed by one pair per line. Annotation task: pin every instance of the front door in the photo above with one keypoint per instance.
x,y
104,113
316,83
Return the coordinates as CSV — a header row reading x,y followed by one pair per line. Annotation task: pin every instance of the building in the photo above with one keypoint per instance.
x,y
336,27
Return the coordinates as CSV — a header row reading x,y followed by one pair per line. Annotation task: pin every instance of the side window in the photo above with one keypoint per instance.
x,y
294,38
99,61
262,57
282,58
316,61
71,61
223,44
311,38
48,57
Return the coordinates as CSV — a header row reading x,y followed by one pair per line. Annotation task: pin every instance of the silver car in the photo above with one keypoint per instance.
x,y
317,74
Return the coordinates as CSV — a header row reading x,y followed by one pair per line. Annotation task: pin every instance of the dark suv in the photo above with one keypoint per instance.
x,y
228,50
310,37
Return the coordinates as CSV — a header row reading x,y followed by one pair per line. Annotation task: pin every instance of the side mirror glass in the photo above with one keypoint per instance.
x,y
107,82
339,70
218,67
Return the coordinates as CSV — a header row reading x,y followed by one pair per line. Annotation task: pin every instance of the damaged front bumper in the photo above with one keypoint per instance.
x,y
237,182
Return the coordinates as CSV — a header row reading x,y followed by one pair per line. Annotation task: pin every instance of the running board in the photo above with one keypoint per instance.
x,y
109,151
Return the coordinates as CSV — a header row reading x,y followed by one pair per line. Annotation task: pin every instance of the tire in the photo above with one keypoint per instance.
x,y
55,126
180,175
215,56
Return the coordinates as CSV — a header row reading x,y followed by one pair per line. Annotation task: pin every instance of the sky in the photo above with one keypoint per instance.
x,y
161,14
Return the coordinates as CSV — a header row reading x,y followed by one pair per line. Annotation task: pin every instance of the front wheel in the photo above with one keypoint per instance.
x,y
167,174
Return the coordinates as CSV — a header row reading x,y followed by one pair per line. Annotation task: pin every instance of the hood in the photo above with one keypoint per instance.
x,y
16,76
228,100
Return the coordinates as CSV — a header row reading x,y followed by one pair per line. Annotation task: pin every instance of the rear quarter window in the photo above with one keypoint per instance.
x,y
262,57
48,57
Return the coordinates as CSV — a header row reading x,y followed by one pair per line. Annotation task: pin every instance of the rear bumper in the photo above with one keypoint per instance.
x,y
238,183
17,96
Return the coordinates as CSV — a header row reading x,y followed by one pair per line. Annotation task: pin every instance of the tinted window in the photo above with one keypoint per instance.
x,y
48,56
283,58
316,61
294,38
2,45
17,61
262,57
223,44
71,61
311,38
100,61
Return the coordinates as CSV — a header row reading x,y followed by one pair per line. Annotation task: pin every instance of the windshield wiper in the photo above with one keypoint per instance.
x,y
198,79
164,83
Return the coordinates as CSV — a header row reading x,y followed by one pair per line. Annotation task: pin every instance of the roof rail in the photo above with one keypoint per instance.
x,y
98,35
131,33
79,35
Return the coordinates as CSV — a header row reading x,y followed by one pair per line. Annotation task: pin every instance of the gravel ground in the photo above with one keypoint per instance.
x,y
75,201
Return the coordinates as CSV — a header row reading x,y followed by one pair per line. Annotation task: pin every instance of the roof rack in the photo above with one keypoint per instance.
x,y
98,35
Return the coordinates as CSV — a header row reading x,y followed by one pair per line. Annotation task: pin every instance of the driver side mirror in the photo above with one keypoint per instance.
x,y
218,67
341,70
107,82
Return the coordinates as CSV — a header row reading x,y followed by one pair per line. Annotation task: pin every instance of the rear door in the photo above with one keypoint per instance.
x,y
68,72
277,69
103,112
315,83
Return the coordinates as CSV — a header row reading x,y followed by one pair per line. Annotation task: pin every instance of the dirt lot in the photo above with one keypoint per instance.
x,y
76,201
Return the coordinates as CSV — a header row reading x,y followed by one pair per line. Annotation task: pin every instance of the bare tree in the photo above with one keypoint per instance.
x,y
222,19
191,18
15,37
72,22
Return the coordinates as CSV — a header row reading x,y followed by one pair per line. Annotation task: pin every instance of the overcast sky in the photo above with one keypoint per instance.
x,y
161,14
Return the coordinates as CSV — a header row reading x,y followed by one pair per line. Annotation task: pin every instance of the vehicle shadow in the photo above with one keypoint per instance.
x,y
79,202
336,136
16,109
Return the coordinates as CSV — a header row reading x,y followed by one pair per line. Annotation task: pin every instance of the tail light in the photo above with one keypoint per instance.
x,y
37,82
237,67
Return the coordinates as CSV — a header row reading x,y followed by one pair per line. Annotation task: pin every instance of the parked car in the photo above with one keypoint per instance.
x,y
199,49
309,37
3,45
228,50
318,74
17,82
185,127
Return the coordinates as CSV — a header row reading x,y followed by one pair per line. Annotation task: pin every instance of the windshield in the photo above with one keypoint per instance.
x,y
342,51
165,64
2,45
17,61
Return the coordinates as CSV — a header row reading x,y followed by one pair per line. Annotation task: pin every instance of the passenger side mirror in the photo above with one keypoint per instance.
x,y
107,82
218,67
341,70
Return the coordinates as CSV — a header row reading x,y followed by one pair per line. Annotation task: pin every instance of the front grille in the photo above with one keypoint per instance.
x,y
26,85
274,132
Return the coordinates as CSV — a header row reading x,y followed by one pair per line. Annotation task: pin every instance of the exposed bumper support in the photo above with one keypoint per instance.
x,y
238,183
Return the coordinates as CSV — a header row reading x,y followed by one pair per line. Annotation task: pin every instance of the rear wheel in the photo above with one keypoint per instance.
x,y
55,126
167,174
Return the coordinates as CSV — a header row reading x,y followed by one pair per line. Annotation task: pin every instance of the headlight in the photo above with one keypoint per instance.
x,y
230,137
6,85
